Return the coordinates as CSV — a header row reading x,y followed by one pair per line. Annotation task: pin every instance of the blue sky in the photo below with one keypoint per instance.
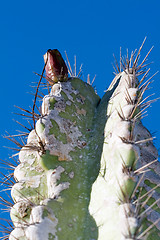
x,y
91,30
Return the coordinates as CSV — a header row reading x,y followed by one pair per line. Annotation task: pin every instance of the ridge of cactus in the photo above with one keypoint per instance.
x,y
89,169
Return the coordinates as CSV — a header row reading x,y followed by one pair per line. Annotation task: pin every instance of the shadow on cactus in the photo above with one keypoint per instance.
x,y
88,169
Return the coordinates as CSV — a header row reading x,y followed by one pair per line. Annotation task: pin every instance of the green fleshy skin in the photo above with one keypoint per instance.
x,y
48,161
127,189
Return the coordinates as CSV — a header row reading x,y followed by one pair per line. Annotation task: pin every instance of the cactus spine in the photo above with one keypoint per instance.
x,y
84,172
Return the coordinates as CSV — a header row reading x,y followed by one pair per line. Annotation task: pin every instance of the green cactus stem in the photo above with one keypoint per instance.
x,y
127,150
89,169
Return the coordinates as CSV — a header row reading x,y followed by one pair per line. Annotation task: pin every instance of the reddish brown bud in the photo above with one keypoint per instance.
x,y
56,69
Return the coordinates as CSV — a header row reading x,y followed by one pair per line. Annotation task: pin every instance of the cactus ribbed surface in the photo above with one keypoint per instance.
x,y
116,201
89,170
56,183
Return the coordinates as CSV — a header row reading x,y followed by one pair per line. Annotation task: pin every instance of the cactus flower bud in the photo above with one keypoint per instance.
x,y
56,69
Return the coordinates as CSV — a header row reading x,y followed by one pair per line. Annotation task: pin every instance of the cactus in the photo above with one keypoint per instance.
x,y
89,169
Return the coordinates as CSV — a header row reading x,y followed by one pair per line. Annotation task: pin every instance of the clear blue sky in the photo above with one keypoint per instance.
x,y
91,30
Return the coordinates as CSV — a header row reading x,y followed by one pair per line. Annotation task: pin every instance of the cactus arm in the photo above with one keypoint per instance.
x,y
116,200
53,187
